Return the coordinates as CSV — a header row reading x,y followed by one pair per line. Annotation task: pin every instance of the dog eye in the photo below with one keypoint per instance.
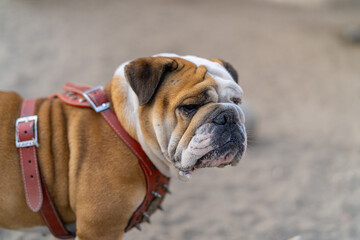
x,y
236,100
189,109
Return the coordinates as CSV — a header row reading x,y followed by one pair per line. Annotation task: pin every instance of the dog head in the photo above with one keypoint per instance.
x,y
186,111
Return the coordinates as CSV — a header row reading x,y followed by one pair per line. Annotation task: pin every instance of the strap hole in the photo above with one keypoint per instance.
x,y
25,132
29,161
31,176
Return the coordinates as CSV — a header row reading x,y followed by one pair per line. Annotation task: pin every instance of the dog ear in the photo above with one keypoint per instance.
x,y
228,67
146,74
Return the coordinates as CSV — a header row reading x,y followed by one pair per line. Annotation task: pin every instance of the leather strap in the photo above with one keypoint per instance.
x,y
25,131
51,217
36,193
156,183
73,95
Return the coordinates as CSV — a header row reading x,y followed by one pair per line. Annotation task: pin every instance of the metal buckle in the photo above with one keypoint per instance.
x,y
99,108
29,143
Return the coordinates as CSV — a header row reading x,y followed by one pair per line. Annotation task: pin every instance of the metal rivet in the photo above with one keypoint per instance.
x,y
146,216
156,194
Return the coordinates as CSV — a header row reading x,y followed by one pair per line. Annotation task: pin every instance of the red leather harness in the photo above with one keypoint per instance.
x,y
36,193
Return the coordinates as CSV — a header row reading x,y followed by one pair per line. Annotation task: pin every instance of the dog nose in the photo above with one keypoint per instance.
x,y
224,118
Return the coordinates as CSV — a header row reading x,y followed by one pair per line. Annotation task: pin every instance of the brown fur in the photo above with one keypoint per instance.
x,y
89,172
92,176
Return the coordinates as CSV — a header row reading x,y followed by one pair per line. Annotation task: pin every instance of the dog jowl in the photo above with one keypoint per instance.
x,y
191,116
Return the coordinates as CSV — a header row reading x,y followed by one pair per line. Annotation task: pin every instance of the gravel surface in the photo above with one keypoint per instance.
x,y
301,76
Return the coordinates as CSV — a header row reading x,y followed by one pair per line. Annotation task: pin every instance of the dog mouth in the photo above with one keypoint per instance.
x,y
230,153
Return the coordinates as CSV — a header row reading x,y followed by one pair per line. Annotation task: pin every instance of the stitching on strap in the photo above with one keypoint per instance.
x,y
38,178
24,180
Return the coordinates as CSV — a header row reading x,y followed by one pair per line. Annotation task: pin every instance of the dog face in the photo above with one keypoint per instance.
x,y
189,111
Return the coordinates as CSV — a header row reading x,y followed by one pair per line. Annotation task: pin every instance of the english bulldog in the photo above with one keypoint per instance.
x,y
183,110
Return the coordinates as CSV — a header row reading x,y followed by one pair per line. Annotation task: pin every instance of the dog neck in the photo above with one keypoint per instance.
x,y
126,108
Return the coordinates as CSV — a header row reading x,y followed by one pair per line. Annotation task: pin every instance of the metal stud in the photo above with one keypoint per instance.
x,y
166,187
146,216
156,194
137,226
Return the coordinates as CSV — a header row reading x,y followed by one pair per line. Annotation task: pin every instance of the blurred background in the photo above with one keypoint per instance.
x,y
298,63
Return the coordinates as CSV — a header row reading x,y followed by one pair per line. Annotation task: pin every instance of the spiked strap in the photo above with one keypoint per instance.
x,y
156,183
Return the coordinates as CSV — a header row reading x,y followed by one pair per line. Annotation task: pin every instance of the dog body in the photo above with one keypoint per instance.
x,y
184,111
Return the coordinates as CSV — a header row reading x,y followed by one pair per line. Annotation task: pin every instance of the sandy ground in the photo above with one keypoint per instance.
x,y
301,175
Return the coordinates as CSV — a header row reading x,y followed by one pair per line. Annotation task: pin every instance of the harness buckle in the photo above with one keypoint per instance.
x,y
28,129
101,107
